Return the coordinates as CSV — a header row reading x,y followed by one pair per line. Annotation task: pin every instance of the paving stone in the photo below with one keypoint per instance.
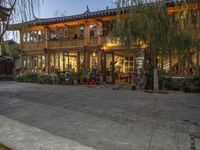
x,y
103,118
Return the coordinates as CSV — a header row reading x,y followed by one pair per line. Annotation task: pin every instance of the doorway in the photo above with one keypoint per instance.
x,y
109,68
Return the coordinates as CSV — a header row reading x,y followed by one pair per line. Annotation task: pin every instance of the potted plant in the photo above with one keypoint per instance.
x,y
74,78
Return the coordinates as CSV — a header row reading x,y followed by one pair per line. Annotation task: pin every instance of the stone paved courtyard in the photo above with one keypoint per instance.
x,y
106,119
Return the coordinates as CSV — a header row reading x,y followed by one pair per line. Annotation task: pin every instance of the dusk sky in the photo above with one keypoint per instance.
x,y
72,7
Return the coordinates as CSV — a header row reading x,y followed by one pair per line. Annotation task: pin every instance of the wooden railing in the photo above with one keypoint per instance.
x,y
93,41
29,46
66,43
53,44
69,43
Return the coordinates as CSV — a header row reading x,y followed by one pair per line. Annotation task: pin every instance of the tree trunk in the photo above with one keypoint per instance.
x,y
155,83
155,75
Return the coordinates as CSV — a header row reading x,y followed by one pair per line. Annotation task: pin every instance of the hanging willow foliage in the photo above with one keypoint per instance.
x,y
21,11
148,21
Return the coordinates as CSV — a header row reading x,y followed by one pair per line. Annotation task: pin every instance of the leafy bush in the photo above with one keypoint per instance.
x,y
5,78
19,78
34,78
165,83
190,84
44,79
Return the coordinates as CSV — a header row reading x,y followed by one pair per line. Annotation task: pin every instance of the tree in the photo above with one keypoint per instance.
x,y
148,21
20,11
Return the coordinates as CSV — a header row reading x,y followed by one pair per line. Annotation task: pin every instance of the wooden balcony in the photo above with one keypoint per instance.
x,y
66,43
53,44
29,46
71,43
93,41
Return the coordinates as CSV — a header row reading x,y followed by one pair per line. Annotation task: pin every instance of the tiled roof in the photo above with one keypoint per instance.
x,y
86,15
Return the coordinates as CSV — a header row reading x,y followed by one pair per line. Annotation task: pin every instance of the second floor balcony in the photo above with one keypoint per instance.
x,y
60,43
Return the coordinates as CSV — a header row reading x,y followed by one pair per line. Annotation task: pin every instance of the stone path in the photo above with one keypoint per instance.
x,y
19,136
106,119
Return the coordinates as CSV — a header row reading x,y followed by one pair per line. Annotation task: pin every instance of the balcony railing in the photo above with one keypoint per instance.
x,y
93,41
53,44
38,45
66,43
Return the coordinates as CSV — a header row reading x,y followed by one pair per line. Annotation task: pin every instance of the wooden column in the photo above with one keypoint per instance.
x,y
59,60
46,37
78,61
85,58
37,63
64,69
86,34
99,32
47,61
88,59
100,60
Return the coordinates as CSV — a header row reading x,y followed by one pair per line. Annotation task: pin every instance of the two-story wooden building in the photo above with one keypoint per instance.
x,y
83,42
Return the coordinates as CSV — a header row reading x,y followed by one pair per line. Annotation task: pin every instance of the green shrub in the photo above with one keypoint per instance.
x,y
33,78
5,78
44,79
19,78
190,84
165,83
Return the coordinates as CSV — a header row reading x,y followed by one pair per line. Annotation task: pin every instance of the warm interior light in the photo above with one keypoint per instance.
x,y
94,54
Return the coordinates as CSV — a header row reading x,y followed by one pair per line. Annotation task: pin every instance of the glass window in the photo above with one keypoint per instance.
x,y
66,33
52,67
81,32
73,61
93,60
56,61
66,61
81,61
35,61
43,62
93,28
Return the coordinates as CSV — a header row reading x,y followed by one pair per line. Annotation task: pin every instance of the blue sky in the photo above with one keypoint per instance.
x,y
72,7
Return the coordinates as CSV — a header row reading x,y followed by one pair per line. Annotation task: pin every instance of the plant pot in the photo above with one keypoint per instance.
x,y
134,87
75,81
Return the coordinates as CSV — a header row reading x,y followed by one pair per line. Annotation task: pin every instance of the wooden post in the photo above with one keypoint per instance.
x,y
46,37
86,34
64,69
59,60
85,59
88,59
99,32
78,61
99,60
37,63
113,67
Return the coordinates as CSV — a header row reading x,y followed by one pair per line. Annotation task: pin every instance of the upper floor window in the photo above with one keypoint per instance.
x,y
66,32
81,32
52,35
93,28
